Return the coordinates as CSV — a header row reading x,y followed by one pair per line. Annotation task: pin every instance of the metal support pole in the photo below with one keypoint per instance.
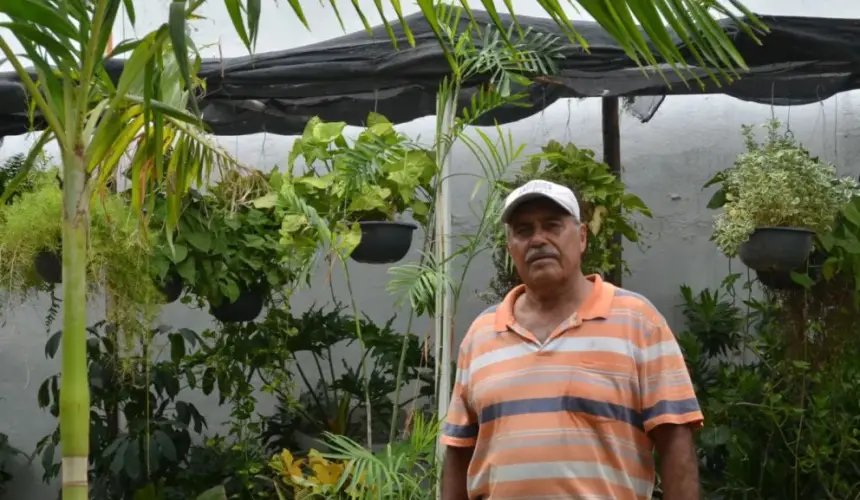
x,y
612,157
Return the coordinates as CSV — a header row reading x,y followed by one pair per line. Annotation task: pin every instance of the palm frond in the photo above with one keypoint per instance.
x,y
419,283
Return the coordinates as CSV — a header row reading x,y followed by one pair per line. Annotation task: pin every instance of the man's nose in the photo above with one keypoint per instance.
x,y
538,238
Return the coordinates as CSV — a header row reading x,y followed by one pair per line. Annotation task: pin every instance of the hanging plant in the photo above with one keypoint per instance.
x,y
118,258
373,182
226,251
605,206
776,199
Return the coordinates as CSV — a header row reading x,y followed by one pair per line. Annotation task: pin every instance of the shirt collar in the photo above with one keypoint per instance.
x,y
597,305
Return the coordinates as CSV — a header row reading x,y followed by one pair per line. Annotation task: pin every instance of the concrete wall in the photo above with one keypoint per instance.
x,y
665,162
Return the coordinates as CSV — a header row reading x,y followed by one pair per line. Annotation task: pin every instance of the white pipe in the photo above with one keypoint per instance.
x,y
444,299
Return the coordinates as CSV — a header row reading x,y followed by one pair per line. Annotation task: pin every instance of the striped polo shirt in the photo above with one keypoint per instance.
x,y
569,418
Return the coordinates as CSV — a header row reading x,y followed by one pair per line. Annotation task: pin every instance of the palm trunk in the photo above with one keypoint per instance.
x,y
74,389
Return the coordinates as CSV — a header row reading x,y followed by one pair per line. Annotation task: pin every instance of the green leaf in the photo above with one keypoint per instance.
x,y
327,132
179,41
119,457
132,460
168,450
802,279
852,214
200,241
234,9
316,182
177,348
717,200
267,201
216,493
180,252
187,271
40,13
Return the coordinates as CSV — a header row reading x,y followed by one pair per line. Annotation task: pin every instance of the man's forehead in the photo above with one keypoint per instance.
x,y
538,208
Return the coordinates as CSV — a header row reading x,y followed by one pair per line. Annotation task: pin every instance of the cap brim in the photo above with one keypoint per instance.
x,y
510,209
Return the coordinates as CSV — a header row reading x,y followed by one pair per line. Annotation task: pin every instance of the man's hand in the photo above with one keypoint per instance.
x,y
454,473
679,464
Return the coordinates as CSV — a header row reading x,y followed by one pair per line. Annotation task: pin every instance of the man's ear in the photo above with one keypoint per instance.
x,y
583,237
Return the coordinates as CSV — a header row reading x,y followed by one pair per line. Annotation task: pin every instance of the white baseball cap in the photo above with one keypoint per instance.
x,y
532,190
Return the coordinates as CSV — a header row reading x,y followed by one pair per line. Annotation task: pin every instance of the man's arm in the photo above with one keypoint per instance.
x,y
454,471
459,432
679,464
670,410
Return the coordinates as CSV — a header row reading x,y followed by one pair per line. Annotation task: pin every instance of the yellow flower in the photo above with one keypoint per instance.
x,y
327,473
292,467
315,457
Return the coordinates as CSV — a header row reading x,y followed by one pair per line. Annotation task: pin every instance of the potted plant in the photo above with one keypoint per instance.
x,y
119,256
226,251
776,199
372,182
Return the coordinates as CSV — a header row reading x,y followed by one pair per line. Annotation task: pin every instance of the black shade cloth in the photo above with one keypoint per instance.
x,y
802,60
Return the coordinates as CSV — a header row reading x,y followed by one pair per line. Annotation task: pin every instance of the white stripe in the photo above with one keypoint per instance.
x,y
615,346
504,354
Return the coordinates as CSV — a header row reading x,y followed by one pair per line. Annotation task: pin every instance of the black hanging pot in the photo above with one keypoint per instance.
x,y
383,242
49,266
171,287
776,248
778,279
246,307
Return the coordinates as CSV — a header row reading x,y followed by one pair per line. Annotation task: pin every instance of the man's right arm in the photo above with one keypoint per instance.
x,y
454,472
459,432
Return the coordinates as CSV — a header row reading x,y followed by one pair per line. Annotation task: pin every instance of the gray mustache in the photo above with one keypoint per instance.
x,y
540,253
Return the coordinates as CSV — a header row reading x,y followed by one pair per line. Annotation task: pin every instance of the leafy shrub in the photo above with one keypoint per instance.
x,y
776,183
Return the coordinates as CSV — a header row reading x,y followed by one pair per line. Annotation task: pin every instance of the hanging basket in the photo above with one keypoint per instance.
x,y
776,279
383,242
49,266
171,288
246,307
776,249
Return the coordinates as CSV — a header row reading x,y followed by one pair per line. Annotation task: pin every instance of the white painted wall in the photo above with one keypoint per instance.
x,y
665,162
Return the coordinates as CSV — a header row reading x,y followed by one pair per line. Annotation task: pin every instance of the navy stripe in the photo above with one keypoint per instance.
x,y
564,403
460,431
665,407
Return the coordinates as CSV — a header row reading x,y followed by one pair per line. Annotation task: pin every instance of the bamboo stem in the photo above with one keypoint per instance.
x,y
74,388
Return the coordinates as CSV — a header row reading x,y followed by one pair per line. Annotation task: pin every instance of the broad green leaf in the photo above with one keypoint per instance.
x,y
326,132
852,214
316,182
199,240
216,493
267,201
180,252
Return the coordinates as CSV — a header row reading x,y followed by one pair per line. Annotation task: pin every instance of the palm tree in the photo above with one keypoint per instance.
x,y
95,121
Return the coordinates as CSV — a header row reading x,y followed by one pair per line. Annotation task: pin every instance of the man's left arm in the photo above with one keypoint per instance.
x,y
670,411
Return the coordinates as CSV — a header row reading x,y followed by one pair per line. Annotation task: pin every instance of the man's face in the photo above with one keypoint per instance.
x,y
545,242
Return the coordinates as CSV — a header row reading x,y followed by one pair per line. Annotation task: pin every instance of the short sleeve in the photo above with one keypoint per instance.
x,y
460,428
666,391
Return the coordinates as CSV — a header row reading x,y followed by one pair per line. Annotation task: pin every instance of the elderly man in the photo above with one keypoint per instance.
x,y
565,389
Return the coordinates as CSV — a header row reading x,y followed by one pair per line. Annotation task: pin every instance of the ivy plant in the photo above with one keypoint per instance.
x,y
776,183
223,247
605,204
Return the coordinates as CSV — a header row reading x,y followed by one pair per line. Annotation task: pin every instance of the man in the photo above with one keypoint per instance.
x,y
565,389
